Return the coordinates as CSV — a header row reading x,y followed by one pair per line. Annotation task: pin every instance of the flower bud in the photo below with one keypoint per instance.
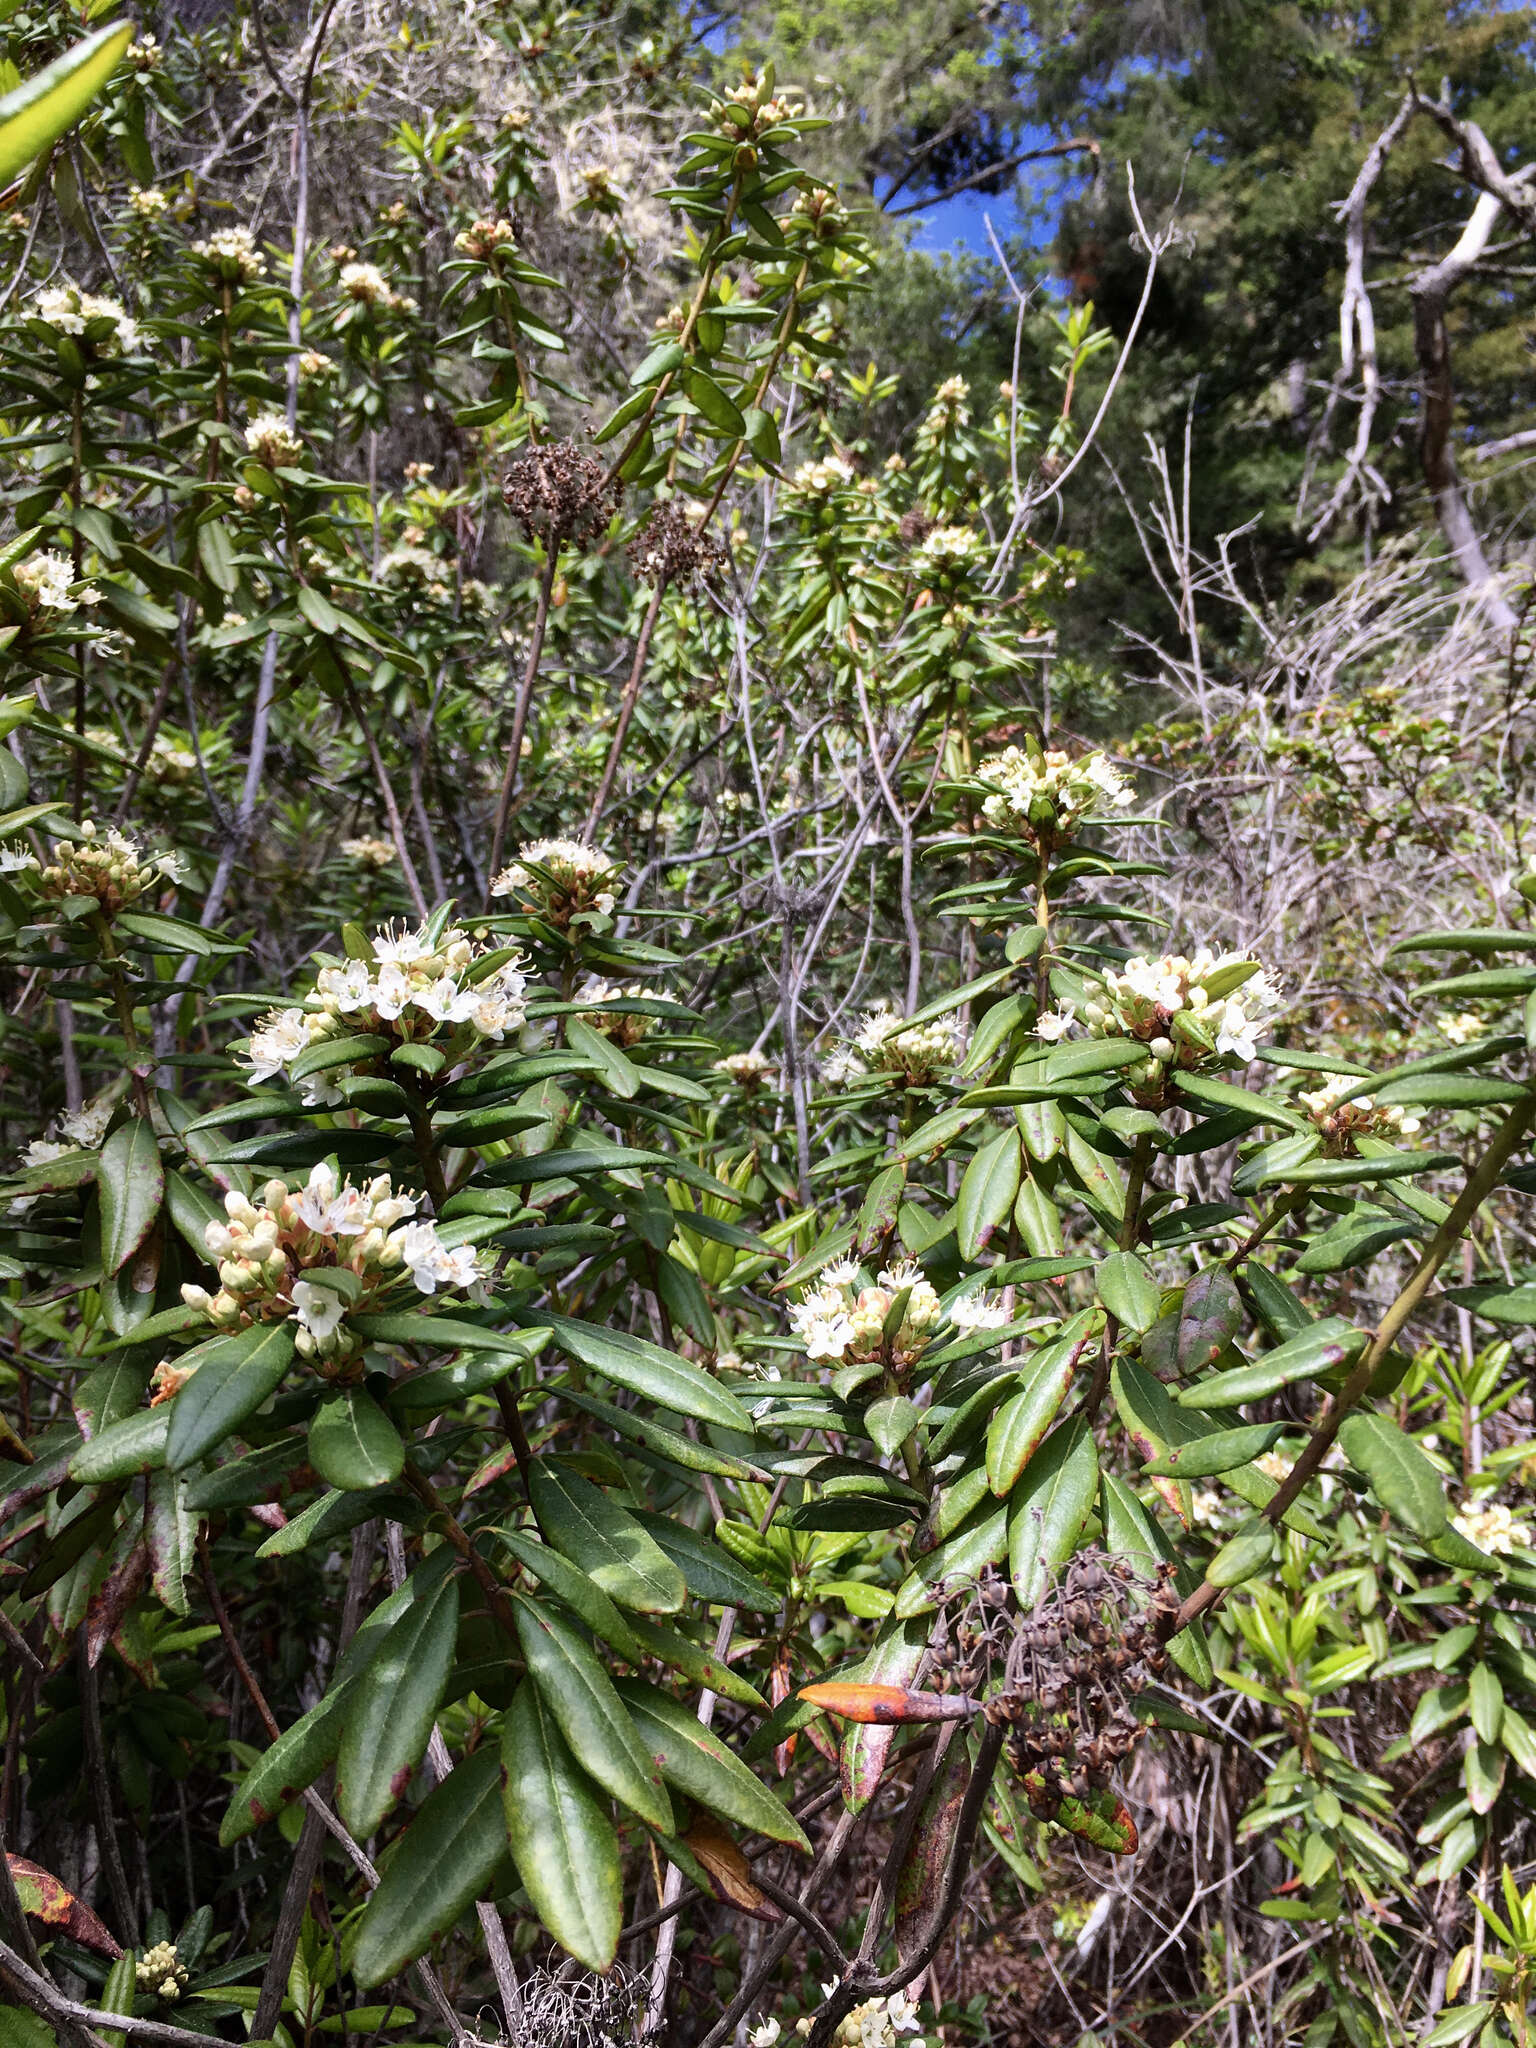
x,y
1161,1048
197,1297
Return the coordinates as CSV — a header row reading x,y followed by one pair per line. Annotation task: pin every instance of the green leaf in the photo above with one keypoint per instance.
x,y
131,1183
234,1376
353,1444
36,113
1049,1508
1486,1699
293,1762
666,357
609,1545
1314,1350
889,1422
711,1575
1018,1428
393,1705
1248,1553
678,1653
618,1072
134,1445
561,1837
698,1763
720,410
1498,1301
1222,1451
580,1695
1211,1093
447,1858
1402,1477
1128,1291
663,1377
581,1593
443,1333
1349,1173
216,553
987,1192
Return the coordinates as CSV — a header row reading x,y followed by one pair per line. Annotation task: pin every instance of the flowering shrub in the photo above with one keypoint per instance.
x,y
501,1491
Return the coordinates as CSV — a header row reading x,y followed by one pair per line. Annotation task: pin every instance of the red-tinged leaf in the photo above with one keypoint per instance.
x,y
44,1898
495,1467
104,1615
778,1692
1104,1820
921,1877
729,1870
886,1704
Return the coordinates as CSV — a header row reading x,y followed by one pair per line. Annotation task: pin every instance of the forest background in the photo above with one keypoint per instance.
x,y
765,915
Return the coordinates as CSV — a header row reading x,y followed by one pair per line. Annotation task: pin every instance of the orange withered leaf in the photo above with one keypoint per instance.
x,y
885,1704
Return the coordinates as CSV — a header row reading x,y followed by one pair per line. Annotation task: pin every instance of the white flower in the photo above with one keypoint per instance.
x,y
766,2035
87,1127
431,1263
978,1311
13,859
443,1000
369,852
349,987
320,1308
1055,1024
392,991
47,580
68,310
233,253
273,442
400,948
329,1210
280,1036
1044,795
1491,1526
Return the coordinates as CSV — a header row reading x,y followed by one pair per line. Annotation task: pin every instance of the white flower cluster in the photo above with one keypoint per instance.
x,y
905,1055
1186,1012
68,310
160,1970
485,238
284,1256
767,110
821,478
73,1130
108,866
1341,1123
368,851
366,285
877,2023
408,990
315,366
1491,1526
748,1071
946,549
46,582
623,1027
1046,795
232,254
415,569
148,202
561,879
842,1318
273,442
1461,1027
949,412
